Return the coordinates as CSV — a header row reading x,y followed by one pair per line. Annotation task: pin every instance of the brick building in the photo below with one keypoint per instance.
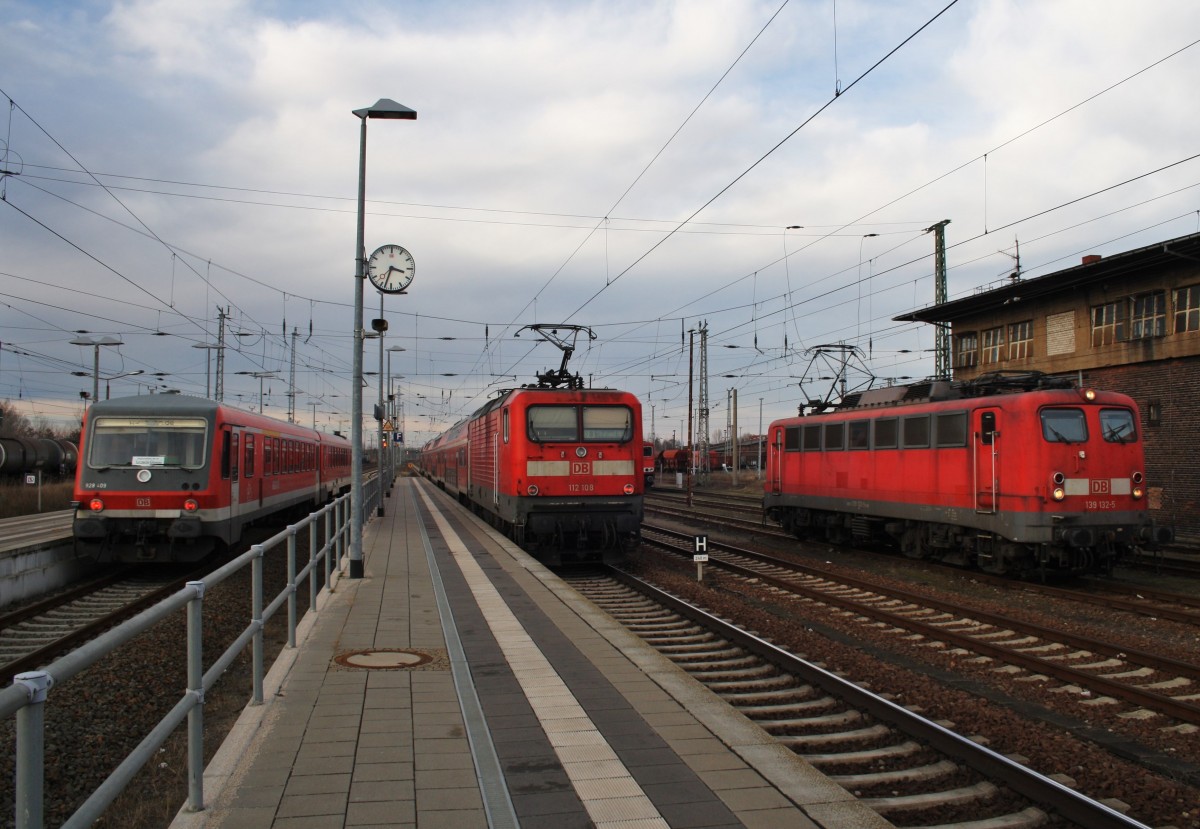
x,y
1128,322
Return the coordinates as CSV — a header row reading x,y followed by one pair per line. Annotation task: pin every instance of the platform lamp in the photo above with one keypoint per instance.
x,y
95,344
388,109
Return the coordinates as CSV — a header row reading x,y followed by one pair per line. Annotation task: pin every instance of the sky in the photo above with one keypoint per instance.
x,y
765,171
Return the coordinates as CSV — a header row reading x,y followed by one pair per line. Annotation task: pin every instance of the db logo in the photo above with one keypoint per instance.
x,y
1100,486
578,468
143,502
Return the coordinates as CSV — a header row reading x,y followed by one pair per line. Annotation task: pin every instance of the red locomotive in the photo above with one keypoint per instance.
x,y
167,478
557,466
1010,474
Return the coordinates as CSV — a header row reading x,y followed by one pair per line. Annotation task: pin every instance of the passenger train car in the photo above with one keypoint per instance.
x,y
559,469
1007,474
168,478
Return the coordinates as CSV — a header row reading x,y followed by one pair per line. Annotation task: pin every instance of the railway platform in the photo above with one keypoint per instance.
x,y
461,684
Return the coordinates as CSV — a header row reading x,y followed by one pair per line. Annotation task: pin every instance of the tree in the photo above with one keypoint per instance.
x,y
13,423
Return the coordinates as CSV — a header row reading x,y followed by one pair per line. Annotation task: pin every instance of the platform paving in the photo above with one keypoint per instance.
x,y
492,696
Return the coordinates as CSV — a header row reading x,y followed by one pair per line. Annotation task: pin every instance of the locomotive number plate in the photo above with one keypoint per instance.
x,y
1099,505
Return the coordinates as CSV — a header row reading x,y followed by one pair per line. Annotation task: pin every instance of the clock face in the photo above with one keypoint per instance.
x,y
391,269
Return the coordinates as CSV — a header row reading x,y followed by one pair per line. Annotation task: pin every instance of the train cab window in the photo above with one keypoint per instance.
x,y
835,437
552,423
1116,426
148,442
886,433
1064,426
858,434
608,423
915,430
791,439
812,438
950,429
248,466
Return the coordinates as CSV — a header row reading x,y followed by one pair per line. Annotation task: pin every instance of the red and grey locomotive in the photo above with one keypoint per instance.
x,y
1010,474
557,466
169,478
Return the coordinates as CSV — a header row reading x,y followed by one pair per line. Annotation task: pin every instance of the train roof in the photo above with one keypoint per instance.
x,y
175,404
937,391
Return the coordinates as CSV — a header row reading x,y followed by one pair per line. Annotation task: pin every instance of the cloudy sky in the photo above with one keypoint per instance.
x,y
768,169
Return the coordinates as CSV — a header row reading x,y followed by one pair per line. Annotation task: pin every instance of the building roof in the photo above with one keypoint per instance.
x,y
1151,257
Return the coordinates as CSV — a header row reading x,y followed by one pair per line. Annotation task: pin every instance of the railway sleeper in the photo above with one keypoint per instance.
x,y
870,733
867,755
961,796
932,771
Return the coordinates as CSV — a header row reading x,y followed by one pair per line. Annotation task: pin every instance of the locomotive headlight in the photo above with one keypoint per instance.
x,y
532,490
1089,395
1059,493
96,505
1137,493
1058,478
190,505
1137,477
628,489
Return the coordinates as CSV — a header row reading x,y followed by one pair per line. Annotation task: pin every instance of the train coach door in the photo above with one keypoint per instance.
x,y
775,461
985,445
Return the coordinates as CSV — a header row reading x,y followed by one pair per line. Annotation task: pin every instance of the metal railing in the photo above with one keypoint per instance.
x,y
30,691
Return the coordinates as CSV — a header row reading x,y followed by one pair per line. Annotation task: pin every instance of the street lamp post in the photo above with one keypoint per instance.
x,y
95,344
261,375
383,108
391,414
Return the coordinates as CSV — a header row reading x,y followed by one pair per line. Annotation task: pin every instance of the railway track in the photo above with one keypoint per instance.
x,y
1139,599
35,634
1091,671
900,764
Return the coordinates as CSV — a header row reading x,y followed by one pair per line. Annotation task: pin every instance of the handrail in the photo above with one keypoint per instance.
x,y
27,696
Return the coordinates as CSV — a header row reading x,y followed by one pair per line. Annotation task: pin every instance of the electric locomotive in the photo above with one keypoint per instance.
x,y
556,466
1008,473
168,478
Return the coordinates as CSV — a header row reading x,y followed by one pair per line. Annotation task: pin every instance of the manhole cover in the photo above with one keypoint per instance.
x,y
382,659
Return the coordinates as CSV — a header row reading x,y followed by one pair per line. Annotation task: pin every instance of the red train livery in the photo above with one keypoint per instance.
x,y
560,470
1008,474
166,478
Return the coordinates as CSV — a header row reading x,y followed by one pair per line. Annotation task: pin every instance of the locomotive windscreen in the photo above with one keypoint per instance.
x,y
148,441
613,424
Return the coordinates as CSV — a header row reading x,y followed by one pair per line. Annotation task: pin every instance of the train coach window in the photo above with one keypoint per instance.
x,y
835,437
951,429
812,438
553,423
886,433
607,423
859,434
248,466
1116,426
1064,426
791,439
916,431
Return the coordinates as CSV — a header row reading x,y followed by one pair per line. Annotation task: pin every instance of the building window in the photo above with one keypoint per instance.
x,y
1187,309
993,344
1020,340
1108,324
966,350
1149,317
